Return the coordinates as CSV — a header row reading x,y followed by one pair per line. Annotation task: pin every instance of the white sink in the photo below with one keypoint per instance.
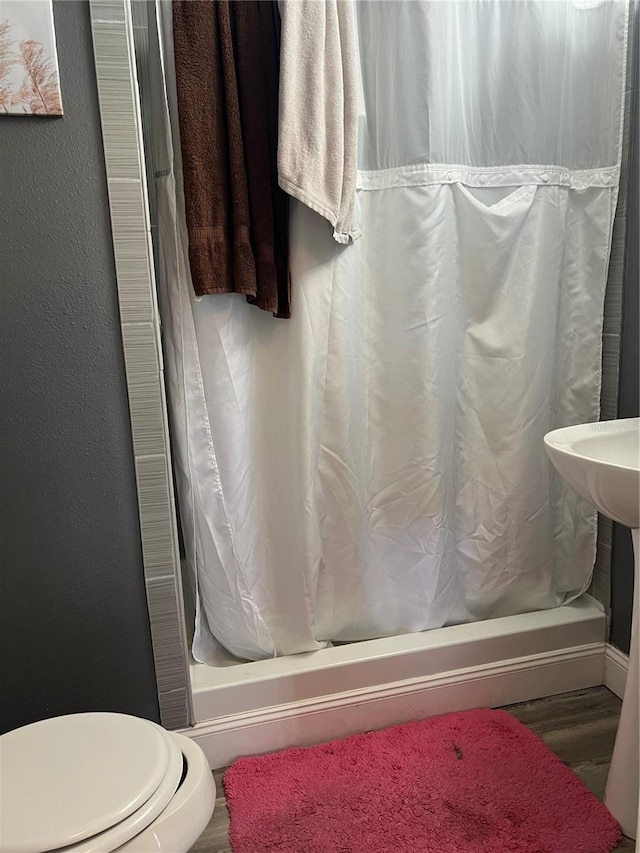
x,y
601,462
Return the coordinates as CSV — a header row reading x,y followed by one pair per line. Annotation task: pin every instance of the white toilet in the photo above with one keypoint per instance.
x,y
100,783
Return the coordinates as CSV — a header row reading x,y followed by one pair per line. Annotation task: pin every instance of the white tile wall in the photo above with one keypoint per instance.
x,y
124,157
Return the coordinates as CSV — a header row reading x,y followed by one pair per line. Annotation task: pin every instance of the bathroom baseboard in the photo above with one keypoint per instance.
x,y
616,665
323,718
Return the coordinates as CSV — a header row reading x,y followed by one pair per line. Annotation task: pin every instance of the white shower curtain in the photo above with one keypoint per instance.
x,y
375,465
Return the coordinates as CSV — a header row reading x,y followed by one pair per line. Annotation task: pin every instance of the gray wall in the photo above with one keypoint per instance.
x,y
73,611
622,552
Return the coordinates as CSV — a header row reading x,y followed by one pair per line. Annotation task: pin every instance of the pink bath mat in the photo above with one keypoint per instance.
x,y
473,782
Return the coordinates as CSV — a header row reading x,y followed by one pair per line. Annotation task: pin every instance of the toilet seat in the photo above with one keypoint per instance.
x,y
157,785
187,815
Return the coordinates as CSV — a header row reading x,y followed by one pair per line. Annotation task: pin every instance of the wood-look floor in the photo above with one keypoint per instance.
x,y
579,727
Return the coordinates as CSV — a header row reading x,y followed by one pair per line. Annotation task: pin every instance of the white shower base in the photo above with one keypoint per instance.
x,y
250,708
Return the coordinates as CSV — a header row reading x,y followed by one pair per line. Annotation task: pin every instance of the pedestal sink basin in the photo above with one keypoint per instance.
x,y
601,462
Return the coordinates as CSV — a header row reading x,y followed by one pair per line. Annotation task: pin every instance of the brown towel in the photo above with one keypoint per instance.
x,y
227,75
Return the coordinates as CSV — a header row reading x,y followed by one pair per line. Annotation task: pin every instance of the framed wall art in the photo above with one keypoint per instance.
x,y
29,80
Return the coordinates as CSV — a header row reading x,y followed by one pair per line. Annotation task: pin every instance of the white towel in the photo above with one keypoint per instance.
x,y
318,111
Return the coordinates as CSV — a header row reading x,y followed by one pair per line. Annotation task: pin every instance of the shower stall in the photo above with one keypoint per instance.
x,y
371,530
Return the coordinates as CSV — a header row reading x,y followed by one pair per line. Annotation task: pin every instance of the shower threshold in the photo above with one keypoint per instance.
x,y
249,708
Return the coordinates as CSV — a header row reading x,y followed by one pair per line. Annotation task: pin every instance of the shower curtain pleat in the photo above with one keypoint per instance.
x,y
396,480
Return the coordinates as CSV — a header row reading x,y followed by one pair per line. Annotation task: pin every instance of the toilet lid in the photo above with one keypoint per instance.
x,y
118,834
68,778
